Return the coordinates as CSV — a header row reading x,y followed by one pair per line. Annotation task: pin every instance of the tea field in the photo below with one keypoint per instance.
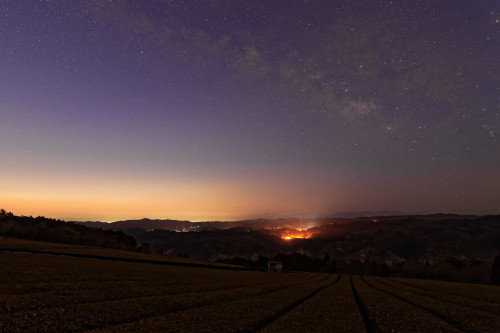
x,y
53,288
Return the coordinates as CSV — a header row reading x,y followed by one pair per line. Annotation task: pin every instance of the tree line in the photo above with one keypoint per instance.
x,y
450,269
57,231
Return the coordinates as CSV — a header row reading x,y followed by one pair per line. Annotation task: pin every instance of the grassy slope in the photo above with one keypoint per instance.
x,y
21,244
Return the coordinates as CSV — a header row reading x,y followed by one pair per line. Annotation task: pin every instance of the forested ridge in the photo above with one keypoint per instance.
x,y
51,230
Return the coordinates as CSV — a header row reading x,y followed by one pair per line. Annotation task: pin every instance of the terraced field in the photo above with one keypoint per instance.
x,y
57,293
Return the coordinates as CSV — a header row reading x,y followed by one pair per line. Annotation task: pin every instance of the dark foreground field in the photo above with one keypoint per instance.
x,y
56,293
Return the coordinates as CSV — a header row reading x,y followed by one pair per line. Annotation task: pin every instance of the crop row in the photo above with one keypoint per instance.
x,y
95,293
75,288
331,310
58,293
386,313
54,298
479,292
25,273
89,315
449,298
463,318
239,314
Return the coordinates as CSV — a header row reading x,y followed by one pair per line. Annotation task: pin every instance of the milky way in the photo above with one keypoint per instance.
x,y
236,109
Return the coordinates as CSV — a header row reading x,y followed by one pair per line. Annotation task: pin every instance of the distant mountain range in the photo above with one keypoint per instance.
x,y
184,226
256,224
145,224
443,246
368,213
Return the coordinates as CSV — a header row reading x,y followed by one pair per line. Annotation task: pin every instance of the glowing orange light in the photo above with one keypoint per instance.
x,y
294,236
298,234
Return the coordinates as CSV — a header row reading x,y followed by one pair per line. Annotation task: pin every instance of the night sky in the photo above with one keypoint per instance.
x,y
207,110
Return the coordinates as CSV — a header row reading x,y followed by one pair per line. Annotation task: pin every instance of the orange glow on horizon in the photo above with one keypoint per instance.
x,y
101,195
292,237
298,233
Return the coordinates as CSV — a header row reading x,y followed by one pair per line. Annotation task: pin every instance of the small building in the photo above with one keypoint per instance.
x,y
275,266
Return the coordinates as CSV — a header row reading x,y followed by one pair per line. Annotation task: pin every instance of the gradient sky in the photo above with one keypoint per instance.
x,y
207,110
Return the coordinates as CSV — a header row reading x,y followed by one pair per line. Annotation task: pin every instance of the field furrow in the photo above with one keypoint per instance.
x,y
11,304
248,314
80,316
90,315
331,310
466,319
454,299
74,283
480,292
60,297
68,294
389,314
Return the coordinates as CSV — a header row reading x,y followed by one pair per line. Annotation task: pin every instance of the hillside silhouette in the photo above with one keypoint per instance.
x,y
438,246
51,230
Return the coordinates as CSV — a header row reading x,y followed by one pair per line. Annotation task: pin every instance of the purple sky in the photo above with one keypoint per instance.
x,y
209,110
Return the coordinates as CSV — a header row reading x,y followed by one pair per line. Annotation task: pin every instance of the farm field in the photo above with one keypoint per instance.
x,y
59,293
13,244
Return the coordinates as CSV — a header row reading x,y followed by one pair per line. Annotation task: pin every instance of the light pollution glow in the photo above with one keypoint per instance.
x,y
111,110
298,233
219,195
